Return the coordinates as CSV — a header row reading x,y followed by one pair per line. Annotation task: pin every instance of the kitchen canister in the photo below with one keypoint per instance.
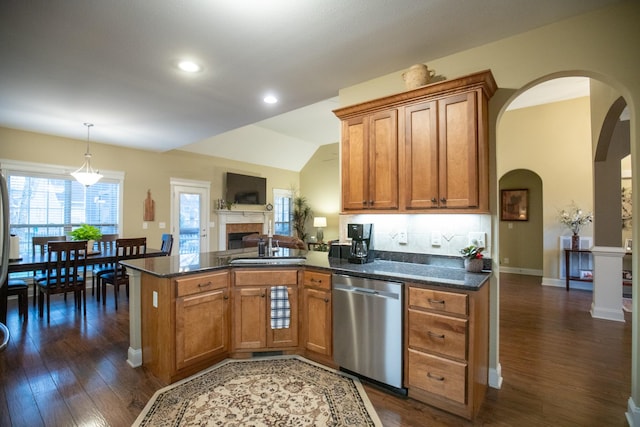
x,y
417,75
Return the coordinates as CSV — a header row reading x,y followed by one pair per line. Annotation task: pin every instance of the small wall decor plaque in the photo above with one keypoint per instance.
x,y
149,208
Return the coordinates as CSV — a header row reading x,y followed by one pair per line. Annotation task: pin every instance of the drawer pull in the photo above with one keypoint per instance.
x,y
436,301
316,280
204,285
434,335
435,377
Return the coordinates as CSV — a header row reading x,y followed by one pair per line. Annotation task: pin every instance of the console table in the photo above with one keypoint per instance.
x,y
567,266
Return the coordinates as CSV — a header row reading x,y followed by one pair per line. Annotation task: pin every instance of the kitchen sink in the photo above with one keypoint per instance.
x,y
268,261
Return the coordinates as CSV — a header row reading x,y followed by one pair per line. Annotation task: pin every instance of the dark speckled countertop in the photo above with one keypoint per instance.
x,y
433,274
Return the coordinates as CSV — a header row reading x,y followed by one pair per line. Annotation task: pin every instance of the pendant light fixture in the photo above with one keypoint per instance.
x,y
85,175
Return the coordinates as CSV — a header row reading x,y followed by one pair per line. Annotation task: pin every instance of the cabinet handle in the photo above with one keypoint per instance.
x,y
326,300
436,301
316,280
434,335
364,202
434,200
262,296
226,297
371,202
443,200
204,285
435,377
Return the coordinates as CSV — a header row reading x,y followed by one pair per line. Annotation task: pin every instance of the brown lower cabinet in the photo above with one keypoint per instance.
x,y
317,316
185,323
251,327
447,351
194,321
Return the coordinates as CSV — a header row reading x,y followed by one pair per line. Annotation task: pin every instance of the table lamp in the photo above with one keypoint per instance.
x,y
319,222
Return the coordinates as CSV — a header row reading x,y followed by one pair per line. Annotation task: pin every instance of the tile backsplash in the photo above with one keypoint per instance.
x,y
441,234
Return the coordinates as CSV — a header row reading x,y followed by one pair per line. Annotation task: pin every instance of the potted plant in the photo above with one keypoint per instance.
x,y
87,232
301,214
472,255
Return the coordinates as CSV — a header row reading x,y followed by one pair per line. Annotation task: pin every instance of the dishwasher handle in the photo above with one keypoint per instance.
x,y
364,291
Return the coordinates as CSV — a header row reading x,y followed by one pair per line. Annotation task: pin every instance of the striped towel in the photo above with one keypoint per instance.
x,y
280,309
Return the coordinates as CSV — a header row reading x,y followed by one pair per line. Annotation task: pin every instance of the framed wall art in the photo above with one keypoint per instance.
x,y
514,205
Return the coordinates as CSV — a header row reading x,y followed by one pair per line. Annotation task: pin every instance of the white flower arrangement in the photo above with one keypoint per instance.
x,y
574,219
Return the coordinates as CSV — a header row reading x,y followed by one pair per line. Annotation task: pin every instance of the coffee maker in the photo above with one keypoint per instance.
x,y
361,236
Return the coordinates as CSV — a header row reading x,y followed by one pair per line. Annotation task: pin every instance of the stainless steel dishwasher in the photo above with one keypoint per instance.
x,y
367,328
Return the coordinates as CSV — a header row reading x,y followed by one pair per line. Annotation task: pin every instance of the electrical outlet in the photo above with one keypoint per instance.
x,y
505,260
402,237
436,238
478,238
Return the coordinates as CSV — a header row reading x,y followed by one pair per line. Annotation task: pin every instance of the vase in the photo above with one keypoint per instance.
x,y
417,75
473,265
575,242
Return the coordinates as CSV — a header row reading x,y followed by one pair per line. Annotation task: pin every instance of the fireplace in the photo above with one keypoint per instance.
x,y
233,225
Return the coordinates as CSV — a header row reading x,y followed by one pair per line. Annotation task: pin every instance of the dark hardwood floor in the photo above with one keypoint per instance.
x,y
560,367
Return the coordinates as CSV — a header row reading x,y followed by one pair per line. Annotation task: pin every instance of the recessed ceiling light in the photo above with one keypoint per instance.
x,y
189,66
270,99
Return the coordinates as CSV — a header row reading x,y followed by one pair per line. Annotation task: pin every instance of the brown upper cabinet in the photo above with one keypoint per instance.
x,y
424,150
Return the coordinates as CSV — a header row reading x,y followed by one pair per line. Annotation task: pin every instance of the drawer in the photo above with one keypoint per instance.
x,y
438,334
442,377
447,302
265,277
315,279
202,283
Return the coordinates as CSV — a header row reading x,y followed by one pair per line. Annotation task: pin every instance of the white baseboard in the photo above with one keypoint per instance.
x,y
134,357
516,270
495,377
607,313
633,413
560,283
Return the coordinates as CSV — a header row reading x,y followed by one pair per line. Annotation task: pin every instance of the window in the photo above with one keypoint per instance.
x,y
282,211
47,201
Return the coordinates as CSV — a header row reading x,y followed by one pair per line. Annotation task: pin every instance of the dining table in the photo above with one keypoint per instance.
x,y
38,262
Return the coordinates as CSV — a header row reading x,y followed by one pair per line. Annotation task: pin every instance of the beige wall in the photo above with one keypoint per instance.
x,y
554,141
143,170
320,184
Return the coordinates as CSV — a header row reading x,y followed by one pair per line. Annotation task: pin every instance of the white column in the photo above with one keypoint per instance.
x,y
134,356
607,283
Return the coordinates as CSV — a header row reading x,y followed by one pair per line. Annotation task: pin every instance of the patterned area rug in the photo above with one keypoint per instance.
x,y
278,391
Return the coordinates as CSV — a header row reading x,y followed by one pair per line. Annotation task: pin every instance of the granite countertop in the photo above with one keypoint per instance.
x,y
381,269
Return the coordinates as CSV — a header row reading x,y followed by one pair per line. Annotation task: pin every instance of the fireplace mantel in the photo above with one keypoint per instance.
x,y
239,217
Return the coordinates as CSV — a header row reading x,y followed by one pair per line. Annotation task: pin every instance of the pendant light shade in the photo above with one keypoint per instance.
x,y
85,175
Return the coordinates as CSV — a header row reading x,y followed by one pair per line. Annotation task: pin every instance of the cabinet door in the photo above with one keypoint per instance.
x,y
383,160
355,166
458,129
318,320
284,337
420,188
201,326
249,318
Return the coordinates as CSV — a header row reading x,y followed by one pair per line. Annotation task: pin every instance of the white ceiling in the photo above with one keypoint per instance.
x,y
112,63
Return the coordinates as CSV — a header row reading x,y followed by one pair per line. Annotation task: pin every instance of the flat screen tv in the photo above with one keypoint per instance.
x,y
246,190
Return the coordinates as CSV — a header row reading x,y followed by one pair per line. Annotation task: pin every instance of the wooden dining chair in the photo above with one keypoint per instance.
x,y
39,245
167,244
106,244
65,272
19,288
125,249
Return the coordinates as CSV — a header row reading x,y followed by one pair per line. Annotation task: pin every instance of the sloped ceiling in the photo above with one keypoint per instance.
x,y
113,63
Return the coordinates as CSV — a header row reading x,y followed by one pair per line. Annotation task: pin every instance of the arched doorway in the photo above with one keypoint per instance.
x,y
521,240
525,149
